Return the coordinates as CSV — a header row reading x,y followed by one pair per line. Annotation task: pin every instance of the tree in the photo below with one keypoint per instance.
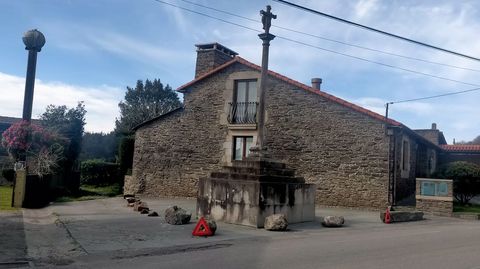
x,y
475,141
99,146
144,102
466,180
68,122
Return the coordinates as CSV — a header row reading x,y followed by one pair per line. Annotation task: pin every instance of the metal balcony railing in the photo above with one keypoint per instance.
x,y
243,113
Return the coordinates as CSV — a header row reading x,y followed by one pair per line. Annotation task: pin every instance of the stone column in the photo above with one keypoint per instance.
x,y
266,37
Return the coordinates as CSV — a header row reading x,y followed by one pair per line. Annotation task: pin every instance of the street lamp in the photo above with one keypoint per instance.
x,y
34,41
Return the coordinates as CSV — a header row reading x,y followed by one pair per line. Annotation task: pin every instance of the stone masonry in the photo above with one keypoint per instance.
x,y
343,152
172,153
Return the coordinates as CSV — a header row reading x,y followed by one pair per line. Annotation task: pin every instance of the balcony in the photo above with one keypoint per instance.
x,y
243,113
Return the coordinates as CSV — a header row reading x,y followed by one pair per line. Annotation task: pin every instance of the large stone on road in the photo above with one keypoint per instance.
x,y
176,216
276,222
333,221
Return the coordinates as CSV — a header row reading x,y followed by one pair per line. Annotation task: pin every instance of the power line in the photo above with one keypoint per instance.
x,y
376,30
333,40
433,96
320,48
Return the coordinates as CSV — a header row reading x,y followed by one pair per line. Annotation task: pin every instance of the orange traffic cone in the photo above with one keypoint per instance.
x,y
388,218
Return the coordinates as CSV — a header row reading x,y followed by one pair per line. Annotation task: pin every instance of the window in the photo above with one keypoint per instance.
x,y
432,162
243,109
241,147
405,155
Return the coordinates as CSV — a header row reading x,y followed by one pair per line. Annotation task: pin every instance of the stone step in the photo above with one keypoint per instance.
x,y
404,208
254,177
259,171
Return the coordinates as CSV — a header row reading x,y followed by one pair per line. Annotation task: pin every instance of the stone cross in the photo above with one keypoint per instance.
x,y
267,17
266,37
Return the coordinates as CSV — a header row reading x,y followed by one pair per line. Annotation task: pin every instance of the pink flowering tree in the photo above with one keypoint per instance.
x,y
41,148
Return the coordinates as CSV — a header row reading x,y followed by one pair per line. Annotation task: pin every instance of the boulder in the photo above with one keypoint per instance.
x,y
176,216
211,224
333,221
153,214
130,200
276,222
144,211
139,206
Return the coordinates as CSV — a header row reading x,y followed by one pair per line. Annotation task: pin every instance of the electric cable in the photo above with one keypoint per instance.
x,y
332,40
375,30
321,48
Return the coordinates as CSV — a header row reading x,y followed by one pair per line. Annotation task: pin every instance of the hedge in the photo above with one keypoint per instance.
x,y
99,172
8,174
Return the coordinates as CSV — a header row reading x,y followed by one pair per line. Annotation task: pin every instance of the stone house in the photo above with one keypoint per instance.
x,y
357,158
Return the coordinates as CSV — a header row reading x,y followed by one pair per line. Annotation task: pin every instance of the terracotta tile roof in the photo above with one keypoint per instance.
x,y
461,148
11,120
300,85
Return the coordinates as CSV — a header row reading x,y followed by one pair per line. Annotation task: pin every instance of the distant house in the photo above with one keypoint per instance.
x,y
466,153
357,158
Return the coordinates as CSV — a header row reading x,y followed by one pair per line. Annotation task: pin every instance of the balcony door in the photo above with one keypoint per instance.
x,y
244,107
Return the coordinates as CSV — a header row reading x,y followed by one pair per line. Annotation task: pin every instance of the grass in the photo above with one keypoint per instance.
x,y
6,198
467,209
90,192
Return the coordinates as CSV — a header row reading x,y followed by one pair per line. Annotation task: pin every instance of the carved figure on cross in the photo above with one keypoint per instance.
x,y
267,17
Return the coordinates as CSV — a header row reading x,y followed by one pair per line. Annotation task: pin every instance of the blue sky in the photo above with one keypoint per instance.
x,y
95,49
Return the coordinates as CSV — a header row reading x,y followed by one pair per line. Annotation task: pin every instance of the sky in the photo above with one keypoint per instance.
x,y
95,49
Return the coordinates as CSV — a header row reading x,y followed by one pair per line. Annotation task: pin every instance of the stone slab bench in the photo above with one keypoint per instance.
x,y
403,216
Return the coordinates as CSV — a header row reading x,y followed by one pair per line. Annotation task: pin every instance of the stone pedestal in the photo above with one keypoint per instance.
x,y
19,188
249,191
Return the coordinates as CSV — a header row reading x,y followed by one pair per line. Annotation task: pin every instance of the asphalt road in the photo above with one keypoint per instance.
x,y
106,234
448,245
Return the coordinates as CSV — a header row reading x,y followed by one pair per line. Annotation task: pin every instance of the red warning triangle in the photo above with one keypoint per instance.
x,y
202,228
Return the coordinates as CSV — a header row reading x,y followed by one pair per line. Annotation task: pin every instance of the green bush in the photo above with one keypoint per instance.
x,y
125,154
8,174
466,180
98,172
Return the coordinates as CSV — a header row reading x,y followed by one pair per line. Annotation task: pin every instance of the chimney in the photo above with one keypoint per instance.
x,y
316,82
210,56
434,126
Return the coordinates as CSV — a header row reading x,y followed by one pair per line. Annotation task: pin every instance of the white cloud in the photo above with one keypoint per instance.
x,y
100,102
364,7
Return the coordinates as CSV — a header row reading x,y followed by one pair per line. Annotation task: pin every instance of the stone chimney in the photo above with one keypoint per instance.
x,y
434,126
316,82
210,56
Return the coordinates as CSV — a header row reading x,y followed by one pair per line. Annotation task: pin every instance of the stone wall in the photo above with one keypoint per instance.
x,y
437,205
431,135
173,152
208,60
471,157
342,151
